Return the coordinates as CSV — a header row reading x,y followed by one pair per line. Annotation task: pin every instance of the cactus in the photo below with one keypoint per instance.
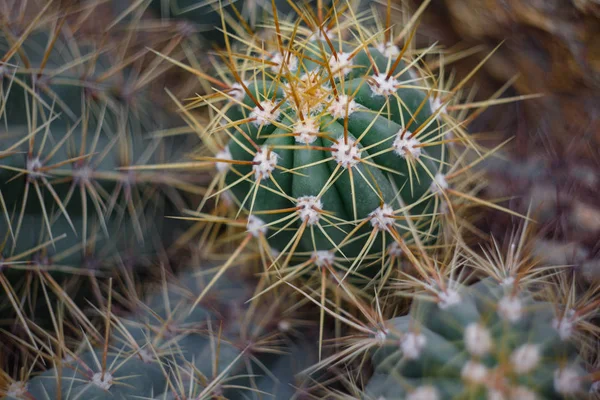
x,y
170,348
76,112
327,138
488,340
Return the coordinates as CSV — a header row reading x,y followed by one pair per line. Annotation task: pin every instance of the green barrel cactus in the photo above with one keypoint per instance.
x,y
171,349
329,143
486,341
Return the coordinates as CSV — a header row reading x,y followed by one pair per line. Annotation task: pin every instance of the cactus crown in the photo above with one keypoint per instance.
x,y
493,340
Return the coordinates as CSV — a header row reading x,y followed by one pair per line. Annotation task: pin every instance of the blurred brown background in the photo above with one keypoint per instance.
x,y
554,48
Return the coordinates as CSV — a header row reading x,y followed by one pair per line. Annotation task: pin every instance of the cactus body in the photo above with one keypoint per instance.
x,y
336,137
486,341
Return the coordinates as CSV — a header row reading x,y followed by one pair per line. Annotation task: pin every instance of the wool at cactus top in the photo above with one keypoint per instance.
x,y
328,139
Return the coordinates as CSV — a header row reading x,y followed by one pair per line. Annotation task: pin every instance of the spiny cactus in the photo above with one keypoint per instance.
x,y
76,110
171,349
328,139
491,340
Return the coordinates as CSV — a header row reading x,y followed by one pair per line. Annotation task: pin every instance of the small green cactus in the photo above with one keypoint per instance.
x,y
491,340
329,143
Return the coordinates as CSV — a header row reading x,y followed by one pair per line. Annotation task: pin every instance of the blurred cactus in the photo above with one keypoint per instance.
x,y
489,340
77,109
171,349
76,114
206,15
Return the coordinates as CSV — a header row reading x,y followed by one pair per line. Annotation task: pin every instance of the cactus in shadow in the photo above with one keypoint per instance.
x,y
206,16
77,110
170,348
76,115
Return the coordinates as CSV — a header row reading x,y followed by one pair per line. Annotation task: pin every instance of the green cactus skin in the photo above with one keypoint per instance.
x,y
485,341
64,75
152,353
67,137
286,151
207,16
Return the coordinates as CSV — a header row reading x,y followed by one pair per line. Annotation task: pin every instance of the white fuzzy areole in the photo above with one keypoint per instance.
x,y
347,154
266,115
284,325
320,35
478,339
33,166
522,393
381,85
565,325
309,207
448,298
567,381
439,184
17,390
525,358
388,49
435,104
256,226
103,382
423,393
380,336
306,131
406,146
278,59
394,249
342,106
237,92
412,345
340,65
265,161
474,372
146,355
509,281
510,308
382,217
324,258
224,154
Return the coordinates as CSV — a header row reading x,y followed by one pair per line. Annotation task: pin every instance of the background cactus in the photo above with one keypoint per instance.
x,y
77,108
169,348
205,16
488,339
342,159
